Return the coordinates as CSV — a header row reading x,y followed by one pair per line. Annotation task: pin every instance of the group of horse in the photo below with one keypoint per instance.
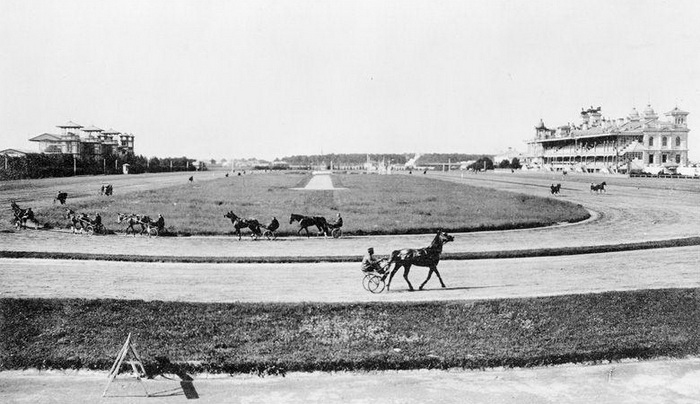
x,y
320,222
595,188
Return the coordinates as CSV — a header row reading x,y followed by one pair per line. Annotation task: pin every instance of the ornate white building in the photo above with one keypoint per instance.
x,y
85,142
600,144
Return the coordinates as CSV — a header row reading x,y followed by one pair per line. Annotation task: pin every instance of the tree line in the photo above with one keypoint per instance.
x,y
40,165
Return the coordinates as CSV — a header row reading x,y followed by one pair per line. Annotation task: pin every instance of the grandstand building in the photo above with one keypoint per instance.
x,y
85,142
603,145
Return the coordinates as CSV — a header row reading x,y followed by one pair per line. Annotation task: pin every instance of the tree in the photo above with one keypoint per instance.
x,y
515,163
504,164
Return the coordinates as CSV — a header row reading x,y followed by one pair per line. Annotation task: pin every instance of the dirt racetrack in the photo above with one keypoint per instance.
x,y
626,213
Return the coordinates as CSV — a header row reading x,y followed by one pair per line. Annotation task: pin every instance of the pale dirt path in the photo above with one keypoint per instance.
x,y
341,282
674,381
627,214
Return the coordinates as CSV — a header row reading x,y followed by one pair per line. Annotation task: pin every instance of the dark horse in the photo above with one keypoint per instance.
x,y
133,220
554,189
598,188
307,221
422,257
240,223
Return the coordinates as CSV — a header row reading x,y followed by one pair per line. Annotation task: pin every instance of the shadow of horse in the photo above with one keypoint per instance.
x,y
164,367
422,257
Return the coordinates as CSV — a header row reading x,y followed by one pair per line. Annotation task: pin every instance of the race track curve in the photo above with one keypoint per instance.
x,y
626,213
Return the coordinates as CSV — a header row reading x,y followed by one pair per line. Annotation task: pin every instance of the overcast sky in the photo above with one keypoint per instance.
x,y
238,79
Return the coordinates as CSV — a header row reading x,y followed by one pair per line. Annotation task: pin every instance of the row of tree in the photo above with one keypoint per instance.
x,y
40,165
358,159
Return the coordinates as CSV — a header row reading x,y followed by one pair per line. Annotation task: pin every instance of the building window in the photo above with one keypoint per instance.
x,y
664,141
678,158
678,141
651,141
663,158
651,159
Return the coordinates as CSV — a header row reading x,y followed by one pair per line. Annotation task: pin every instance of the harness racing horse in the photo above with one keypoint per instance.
x,y
133,220
20,221
240,223
598,188
422,257
554,189
307,221
77,225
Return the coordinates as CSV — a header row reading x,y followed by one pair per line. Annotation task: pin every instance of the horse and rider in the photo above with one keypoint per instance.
x,y
84,223
378,270
61,197
23,216
133,221
240,223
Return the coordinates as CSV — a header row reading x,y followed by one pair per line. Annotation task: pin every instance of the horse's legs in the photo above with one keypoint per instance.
x,y
407,268
430,272
392,273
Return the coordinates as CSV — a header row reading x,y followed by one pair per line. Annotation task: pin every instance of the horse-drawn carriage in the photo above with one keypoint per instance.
x,y
82,223
23,216
139,224
322,225
376,272
373,280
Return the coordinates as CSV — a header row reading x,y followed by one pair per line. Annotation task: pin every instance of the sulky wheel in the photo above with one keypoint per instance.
x,y
152,231
365,281
376,284
271,235
336,233
90,230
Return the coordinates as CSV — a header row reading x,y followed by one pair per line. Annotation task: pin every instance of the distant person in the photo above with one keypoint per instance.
x,y
191,179
98,220
108,189
274,224
160,223
338,222
61,197
102,190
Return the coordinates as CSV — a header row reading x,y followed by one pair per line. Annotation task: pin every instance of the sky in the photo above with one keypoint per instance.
x,y
267,79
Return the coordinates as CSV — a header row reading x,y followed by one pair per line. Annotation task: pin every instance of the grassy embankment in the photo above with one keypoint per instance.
x,y
365,336
371,204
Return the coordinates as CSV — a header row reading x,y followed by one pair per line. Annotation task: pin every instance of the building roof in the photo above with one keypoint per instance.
x,y
69,124
13,152
46,137
676,111
92,128
111,131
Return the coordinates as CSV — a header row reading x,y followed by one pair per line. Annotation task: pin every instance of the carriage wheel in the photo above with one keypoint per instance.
x,y
336,233
376,284
90,230
152,231
270,235
365,281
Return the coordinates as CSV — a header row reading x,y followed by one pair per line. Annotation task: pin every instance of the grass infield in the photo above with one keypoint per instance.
x,y
370,204
276,338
